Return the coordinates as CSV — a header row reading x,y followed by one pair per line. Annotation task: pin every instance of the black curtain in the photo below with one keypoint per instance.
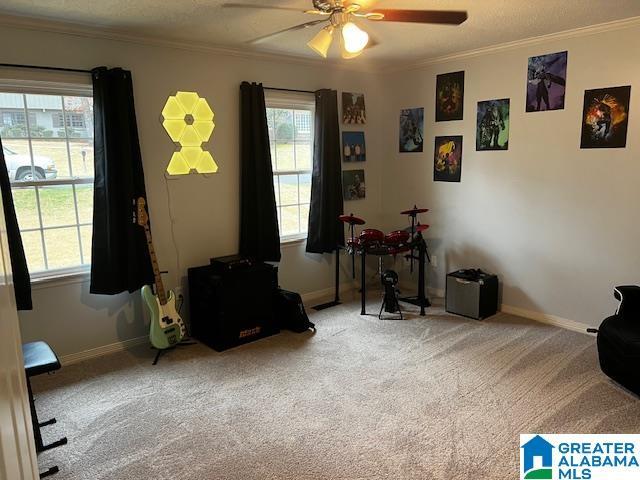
x,y
21,281
119,256
259,235
326,232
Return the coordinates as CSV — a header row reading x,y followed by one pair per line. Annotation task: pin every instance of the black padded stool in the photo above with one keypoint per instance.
x,y
619,340
39,359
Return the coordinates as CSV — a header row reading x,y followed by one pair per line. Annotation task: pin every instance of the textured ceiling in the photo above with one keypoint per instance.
x,y
490,22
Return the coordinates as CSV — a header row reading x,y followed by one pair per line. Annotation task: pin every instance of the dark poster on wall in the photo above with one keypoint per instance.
x,y
449,96
353,148
353,187
447,159
492,127
411,130
605,117
353,110
546,82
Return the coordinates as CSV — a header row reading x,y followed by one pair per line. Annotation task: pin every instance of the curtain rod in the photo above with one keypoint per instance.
x,y
39,67
288,90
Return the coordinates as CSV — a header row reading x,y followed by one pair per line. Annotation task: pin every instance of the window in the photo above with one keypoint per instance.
x,y
290,121
47,141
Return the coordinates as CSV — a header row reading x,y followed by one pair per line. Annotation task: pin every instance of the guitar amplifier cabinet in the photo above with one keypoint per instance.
x,y
472,293
232,304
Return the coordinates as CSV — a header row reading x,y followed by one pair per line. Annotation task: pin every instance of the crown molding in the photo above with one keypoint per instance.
x,y
531,41
106,33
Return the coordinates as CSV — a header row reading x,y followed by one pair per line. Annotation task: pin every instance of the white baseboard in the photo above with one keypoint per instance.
x,y
104,350
311,297
547,318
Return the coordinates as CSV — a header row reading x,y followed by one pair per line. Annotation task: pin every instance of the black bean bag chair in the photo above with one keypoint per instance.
x,y
619,340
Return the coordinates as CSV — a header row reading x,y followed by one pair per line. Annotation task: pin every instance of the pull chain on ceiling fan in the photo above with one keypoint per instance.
x,y
340,17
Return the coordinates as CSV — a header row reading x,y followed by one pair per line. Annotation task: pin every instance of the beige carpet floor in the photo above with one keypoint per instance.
x,y
440,397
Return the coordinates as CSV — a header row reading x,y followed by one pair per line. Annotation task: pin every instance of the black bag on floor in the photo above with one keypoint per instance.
x,y
290,312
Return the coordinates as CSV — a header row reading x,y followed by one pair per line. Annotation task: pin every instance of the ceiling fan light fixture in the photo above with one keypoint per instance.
x,y
354,39
321,42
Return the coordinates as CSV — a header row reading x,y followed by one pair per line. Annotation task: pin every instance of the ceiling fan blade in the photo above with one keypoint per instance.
x,y
262,7
302,26
446,17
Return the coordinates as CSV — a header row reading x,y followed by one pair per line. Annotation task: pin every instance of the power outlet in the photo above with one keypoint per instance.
x,y
434,261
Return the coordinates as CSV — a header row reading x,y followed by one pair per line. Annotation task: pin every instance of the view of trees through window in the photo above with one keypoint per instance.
x,y
291,140
48,147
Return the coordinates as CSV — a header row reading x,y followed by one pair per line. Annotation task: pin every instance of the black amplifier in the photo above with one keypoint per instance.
x,y
232,302
472,293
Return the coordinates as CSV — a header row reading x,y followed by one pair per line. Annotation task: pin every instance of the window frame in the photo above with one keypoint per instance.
x,y
63,89
293,101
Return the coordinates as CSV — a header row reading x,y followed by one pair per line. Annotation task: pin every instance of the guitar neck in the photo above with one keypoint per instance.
x,y
162,296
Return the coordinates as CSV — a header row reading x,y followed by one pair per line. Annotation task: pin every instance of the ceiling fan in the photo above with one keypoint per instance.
x,y
340,16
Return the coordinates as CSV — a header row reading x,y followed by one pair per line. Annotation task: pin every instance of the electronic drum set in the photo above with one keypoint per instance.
x,y
409,242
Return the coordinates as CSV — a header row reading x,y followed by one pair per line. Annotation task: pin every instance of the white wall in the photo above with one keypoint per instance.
x,y
558,224
205,209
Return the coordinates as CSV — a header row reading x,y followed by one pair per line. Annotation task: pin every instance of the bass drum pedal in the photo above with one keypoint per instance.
x,y
390,303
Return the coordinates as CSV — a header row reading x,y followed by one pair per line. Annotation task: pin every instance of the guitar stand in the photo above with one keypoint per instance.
x,y
162,351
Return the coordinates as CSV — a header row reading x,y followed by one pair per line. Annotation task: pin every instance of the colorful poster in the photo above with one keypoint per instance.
x,y
492,127
353,149
449,96
411,130
546,81
605,117
353,184
447,159
353,110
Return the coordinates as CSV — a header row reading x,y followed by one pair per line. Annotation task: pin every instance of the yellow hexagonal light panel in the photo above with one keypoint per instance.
x,y
188,120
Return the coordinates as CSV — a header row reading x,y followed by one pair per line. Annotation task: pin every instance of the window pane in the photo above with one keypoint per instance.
x,y
13,122
302,125
283,122
303,156
62,247
16,154
84,196
32,243
24,200
304,217
271,123
57,207
276,190
305,188
284,154
81,158
290,220
45,113
79,113
288,189
86,234
50,158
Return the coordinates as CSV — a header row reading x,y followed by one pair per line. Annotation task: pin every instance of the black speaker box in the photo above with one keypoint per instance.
x,y
232,305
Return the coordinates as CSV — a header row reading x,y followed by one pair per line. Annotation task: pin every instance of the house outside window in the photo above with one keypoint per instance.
x,y
47,139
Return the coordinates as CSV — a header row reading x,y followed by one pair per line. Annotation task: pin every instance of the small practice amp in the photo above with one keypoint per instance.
x,y
472,293
232,302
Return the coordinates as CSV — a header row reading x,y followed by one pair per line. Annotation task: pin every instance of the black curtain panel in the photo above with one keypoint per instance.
x,y
326,232
259,235
119,257
21,281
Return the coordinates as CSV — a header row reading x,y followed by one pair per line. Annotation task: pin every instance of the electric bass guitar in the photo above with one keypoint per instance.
x,y
167,328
